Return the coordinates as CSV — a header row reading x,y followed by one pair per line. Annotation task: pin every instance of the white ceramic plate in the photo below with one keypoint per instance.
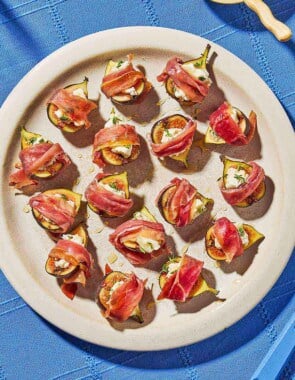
x,y
24,245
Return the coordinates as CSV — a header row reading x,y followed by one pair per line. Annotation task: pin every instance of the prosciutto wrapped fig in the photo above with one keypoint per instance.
x,y
116,144
188,82
39,158
140,239
108,195
122,83
226,240
242,183
68,108
180,203
120,295
228,125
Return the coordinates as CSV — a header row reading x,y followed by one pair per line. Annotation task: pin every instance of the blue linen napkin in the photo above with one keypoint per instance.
x,y
32,348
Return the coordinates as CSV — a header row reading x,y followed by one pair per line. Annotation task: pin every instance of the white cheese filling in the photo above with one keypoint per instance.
x,y
147,245
234,114
170,134
75,238
115,286
69,201
243,234
198,208
120,65
79,92
197,73
172,268
37,140
124,150
113,189
59,113
178,93
63,264
216,243
235,177
131,91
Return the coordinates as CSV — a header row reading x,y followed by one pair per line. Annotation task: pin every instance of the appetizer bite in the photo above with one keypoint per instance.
x,y
188,82
120,295
228,125
226,240
70,261
108,195
172,137
116,144
68,108
140,239
180,203
180,279
39,158
55,210
242,183
122,83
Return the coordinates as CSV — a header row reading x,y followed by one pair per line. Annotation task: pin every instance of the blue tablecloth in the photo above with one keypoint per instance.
x,y
32,348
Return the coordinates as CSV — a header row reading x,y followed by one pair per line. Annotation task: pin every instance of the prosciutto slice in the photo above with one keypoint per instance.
x,y
56,209
74,107
118,135
227,235
36,158
105,200
177,144
125,298
129,231
180,201
225,126
117,82
179,284
69,250
235,196
194,89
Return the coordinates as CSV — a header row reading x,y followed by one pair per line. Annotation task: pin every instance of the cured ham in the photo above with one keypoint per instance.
x,y
188,82
73,109
139,240
56,209
177,144
194,89
71,262
106,195
180,203
122,83
228,126
225,238
120,295
39,160
234,196
107,139
179,284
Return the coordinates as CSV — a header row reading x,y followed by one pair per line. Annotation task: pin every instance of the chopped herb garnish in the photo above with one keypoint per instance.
x,y
239,178
128,146
241,231
119,64
202,78
141,249
113,185
116,119
64,118
167,132
63,196
197,64
32,140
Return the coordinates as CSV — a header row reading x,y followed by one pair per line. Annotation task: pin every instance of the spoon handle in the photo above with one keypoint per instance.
x,y
281,31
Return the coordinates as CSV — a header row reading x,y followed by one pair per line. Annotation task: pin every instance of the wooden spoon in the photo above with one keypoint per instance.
x,y
281,31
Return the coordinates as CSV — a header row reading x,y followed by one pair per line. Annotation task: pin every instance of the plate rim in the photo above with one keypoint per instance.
x,y
139,34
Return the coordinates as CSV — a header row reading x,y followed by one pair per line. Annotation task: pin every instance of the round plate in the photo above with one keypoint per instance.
x,y
25,246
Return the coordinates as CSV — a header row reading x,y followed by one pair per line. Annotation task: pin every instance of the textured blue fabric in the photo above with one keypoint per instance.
x,y
31,348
